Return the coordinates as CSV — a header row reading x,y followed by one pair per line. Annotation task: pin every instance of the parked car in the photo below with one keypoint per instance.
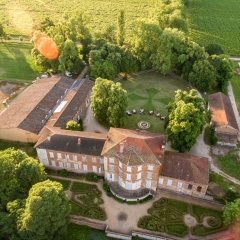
x,y
44,76
68,74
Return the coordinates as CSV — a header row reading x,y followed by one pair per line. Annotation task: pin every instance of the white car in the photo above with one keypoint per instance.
x,y
68,74
44,76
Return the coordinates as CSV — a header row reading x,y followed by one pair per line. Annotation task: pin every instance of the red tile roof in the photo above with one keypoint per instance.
x,y
147,147
221,110
186,167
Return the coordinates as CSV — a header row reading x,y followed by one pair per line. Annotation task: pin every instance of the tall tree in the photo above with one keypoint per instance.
x,y
185,120
121,27
231,212
45,215
18,172
224,72
109,102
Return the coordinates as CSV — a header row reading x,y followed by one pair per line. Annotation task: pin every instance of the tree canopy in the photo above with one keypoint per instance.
x,y
185,120
109,102
231,212
45,215
72,125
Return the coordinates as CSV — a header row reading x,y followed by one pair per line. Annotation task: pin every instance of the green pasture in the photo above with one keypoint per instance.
x,y
16,62
215,21
236,90
101,13
150,91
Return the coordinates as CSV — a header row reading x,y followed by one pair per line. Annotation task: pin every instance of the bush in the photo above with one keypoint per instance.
x,y
64,173
119,199
106,187
91,177
146,199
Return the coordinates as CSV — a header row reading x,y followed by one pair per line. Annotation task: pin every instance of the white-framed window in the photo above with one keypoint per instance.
x,y
51,154
67,156
139,168
138,185
102,160
150,167
148,184
179,185
75,157
149,175
94,159
128,176
169,182
75,166
101,169
68,165
84,167
111,160
111,167
61,164
59,155
129,169
120,172
128,185
53,163
160,180
94,168
120,164
139,175
84,158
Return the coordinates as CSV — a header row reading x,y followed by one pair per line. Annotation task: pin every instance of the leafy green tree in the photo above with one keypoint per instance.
x,y
231,212
109,102
145,42
67,56
121,27
45,215
18,172
72,125
214,49
108,33
185,120
2,32
46,24
224,72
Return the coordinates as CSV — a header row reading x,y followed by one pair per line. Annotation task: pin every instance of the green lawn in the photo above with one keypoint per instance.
x,y
230,164
150,91
26,147
222,182
236,90
65,183
215,21
80,232
16,62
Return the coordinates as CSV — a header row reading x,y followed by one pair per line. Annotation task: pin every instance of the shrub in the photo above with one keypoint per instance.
x,y
146,199
92,177
213,222
106,187
72,125
64,173
119,199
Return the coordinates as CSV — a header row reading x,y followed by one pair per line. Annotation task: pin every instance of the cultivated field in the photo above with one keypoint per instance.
x,y
16,62
215,21
20,16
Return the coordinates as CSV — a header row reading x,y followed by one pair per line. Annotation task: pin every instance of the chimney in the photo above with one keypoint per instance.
x,y
121,144
79,141
48,138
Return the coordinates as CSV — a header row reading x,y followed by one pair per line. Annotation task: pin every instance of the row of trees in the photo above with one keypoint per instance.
x,y
31,207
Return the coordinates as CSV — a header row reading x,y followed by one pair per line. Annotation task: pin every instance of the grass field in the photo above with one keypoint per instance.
x,y
20,16
16,62
236,90
215,21
150,91
65,183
